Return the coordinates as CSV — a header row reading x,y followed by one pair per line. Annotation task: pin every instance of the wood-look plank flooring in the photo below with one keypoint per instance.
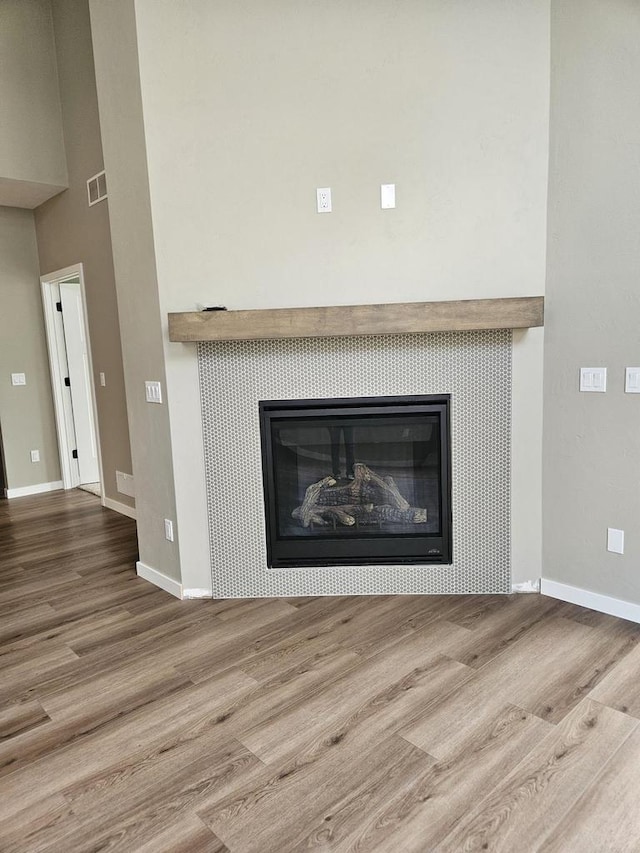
x,y
130,721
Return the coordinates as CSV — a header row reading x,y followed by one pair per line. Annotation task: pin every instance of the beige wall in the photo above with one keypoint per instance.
x,y
26,413
592,441
32,161
116,61
70,232
449,101
242,122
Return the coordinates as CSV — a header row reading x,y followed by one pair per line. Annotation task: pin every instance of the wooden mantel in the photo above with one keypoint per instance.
x,y
350,320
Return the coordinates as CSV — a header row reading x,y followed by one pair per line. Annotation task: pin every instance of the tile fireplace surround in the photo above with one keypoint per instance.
x,y
473,366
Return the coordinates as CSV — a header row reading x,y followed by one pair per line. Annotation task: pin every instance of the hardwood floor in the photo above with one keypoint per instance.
x,y
130,721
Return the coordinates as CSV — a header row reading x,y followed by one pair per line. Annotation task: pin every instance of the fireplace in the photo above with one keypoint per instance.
x,y
474,368
357,481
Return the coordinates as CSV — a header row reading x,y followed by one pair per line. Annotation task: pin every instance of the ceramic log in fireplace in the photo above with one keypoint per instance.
x,y
357,481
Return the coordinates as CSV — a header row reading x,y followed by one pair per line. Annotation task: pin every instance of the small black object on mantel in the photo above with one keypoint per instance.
x,y
215,308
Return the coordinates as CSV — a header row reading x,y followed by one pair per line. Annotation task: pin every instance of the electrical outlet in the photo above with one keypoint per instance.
x,y
35,455
103,380
168,530
323,198
18,379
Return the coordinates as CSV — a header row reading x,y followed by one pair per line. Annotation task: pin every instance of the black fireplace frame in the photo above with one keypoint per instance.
x,y
419,549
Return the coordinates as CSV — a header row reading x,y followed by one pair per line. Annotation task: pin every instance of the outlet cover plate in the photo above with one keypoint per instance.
x,y
632,380
615,540
168,530
387,196
323,199
153,392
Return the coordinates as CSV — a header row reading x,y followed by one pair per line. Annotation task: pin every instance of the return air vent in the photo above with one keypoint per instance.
x,y
97,188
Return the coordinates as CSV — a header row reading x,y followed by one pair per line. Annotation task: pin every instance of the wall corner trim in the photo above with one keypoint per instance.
x,y
37,489
592,600
116,506
526,586
158,579
197,593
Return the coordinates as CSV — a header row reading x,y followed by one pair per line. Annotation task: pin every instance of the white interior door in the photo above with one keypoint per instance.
x,y
78,372
59,353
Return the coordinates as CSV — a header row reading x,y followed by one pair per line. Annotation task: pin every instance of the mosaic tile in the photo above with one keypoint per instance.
x,y
474,367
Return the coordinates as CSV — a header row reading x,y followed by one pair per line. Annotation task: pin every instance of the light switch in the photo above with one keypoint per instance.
x,y
615,540
18,379
593,379
387,196
103,380
153,392
632,380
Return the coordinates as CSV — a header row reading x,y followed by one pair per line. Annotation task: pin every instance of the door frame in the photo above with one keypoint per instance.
x,y
57,380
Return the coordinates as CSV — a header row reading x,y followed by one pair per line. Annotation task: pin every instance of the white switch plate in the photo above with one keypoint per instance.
x,y
168,530
615,540
632,380
103,380
387,196
323,199
18,379
153,392
593,379
35,455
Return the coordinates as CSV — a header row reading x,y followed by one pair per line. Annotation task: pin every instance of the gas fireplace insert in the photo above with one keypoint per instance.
x,y
357,481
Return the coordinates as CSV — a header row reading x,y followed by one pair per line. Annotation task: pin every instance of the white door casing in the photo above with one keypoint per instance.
x,y
68,284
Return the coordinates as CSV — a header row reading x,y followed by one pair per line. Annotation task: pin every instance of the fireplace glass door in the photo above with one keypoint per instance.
x,y
357,481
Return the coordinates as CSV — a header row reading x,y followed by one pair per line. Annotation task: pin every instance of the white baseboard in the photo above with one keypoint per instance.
x,y
38,489
158,579
526,586
197,593
116,506
592,600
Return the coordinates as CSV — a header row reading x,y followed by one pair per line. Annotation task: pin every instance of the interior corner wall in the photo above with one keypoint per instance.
x,y
26,412
117,82
31,143
592,440
70,232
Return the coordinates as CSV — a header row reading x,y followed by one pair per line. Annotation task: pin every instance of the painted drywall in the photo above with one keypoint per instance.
x,y
32,160
117,82
26,412
70,232
592,441
241,124
526,457
447,100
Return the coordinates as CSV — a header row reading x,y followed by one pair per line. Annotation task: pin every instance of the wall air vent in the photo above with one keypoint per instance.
x,y
97,188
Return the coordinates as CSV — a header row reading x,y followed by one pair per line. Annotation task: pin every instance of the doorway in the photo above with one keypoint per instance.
x,y
67,331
